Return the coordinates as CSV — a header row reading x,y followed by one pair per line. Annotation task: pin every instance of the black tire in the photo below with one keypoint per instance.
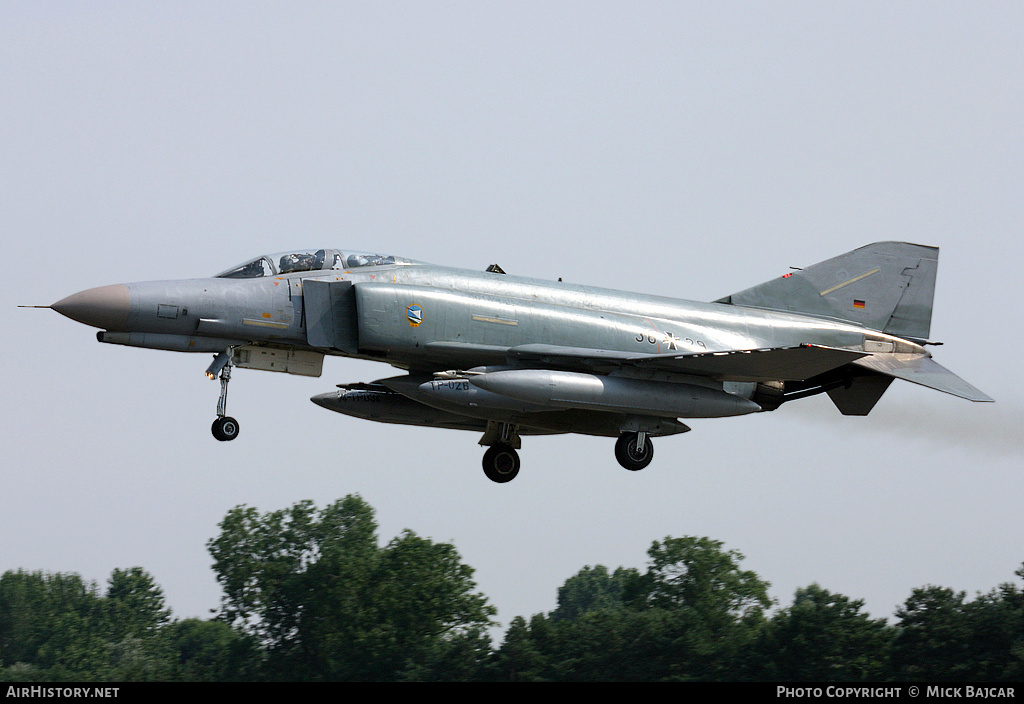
x,y
627,454
225,428
501,463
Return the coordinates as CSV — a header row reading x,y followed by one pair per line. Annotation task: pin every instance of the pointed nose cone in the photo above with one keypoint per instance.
x,y
103,307
328,400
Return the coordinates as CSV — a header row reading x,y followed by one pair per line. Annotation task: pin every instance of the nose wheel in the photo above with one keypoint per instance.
x,y
225,427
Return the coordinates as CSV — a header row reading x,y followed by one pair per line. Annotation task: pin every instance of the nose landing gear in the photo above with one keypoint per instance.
x,y
225,427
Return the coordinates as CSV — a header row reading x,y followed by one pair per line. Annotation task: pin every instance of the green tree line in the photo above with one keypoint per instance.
x,y
312,595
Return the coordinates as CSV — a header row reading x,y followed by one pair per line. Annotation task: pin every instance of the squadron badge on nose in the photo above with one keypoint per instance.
x,y
415,315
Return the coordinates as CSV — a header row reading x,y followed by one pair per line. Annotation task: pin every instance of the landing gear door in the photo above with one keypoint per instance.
x,y
330,308
272,359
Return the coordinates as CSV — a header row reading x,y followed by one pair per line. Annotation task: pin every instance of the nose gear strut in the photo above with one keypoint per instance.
x,y
224,427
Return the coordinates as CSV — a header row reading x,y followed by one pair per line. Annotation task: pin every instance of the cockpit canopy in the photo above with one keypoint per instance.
x,y
307,260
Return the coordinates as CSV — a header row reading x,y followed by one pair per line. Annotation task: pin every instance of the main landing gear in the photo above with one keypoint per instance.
x,y
634,451
501,461
225,427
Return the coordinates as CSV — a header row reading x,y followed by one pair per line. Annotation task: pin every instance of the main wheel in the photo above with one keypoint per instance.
x,y
225,428
629,456
501,463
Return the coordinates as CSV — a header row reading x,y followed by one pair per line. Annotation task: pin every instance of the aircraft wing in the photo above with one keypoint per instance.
x,y
777,363
594,360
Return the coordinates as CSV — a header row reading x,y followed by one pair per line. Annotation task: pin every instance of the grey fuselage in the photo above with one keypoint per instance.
x,y
467,318
511,356
431,319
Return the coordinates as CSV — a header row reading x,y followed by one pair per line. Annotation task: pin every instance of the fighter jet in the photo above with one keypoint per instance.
x,y
509,356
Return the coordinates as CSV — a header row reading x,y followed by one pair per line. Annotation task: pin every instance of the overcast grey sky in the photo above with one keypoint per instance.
x,y
687,149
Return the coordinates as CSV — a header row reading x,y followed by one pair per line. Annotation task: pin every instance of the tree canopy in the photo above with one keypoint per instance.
x,y
325,601
312,594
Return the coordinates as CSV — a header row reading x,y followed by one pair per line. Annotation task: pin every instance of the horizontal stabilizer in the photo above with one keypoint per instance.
x,y
922,370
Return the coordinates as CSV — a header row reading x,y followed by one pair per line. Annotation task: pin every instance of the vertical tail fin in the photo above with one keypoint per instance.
x,y
885,286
